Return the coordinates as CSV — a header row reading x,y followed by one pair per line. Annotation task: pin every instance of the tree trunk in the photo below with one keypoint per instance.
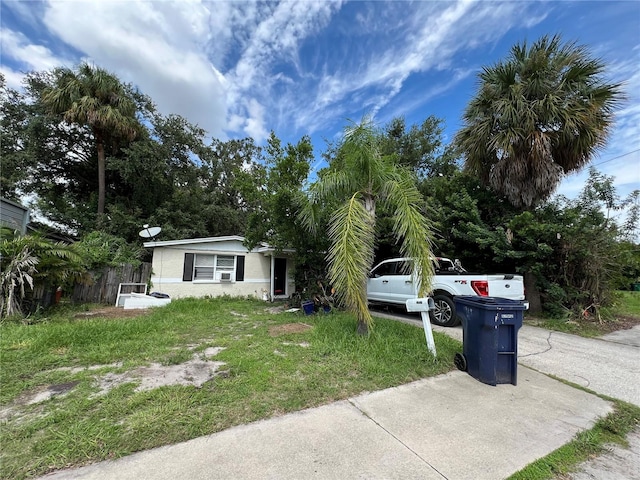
x,y
101,174
532,293
364,318
362,329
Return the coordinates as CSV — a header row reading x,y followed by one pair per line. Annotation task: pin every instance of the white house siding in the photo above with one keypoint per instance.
x,y
168,266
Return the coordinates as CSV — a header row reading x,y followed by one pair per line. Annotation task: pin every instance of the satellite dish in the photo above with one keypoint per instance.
x,y
149,232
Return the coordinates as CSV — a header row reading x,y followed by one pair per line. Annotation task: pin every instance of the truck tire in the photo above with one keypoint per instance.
x,y
445,311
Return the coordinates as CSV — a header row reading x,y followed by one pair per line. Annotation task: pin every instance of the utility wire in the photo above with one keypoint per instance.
x,y
615,158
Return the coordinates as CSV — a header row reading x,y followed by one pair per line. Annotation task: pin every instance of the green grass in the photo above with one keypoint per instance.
x,y
611,429
623,313
628,304
265,376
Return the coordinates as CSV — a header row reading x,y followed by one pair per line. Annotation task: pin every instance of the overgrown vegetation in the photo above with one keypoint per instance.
x,y
32,264
27,261
268,368
360,178
623,313
578,251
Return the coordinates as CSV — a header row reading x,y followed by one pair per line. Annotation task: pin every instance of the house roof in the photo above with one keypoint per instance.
x,y
190,241
261,248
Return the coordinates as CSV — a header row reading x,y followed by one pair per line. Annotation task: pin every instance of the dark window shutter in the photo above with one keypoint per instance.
x,y
187,273
240,268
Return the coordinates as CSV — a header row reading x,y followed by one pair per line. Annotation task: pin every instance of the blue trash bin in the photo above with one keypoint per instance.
x,y
490,338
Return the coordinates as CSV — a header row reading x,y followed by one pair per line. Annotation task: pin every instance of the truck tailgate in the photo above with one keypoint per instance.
x,y
506,286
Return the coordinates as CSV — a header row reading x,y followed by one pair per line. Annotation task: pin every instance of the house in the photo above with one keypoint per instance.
x,y
14,215
216,266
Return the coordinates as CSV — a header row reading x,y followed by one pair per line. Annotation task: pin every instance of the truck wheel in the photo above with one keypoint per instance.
x,y
445,311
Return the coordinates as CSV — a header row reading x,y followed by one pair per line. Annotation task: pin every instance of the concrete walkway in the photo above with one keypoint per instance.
x,y
446,427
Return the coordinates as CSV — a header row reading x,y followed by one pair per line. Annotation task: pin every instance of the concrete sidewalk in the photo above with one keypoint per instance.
x,y
450,426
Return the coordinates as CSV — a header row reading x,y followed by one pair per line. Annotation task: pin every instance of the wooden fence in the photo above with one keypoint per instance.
x,y
104,287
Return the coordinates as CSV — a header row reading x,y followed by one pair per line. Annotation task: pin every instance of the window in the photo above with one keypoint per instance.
x,y
388,268
211,267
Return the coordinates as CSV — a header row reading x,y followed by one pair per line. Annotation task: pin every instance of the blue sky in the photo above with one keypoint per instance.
x,y
244,68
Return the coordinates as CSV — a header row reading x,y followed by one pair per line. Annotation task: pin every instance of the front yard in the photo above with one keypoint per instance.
x,y
79,387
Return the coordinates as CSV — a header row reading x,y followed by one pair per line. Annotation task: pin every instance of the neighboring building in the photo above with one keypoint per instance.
x,y
220,266
14,215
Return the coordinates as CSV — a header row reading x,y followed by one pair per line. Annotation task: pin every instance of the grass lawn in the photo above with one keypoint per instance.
x,y
66,400
623,314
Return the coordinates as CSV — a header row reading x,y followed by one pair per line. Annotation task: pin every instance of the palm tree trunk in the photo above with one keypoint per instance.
x,y
363,320
363,328
101,174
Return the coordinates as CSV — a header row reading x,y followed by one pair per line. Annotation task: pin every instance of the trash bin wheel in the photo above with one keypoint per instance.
x,y
460,361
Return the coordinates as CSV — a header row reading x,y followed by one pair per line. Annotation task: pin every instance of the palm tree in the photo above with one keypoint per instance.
x,y
359,179
538,115
30,260
95,98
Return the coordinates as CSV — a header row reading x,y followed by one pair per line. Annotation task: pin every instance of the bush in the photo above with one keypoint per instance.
x,y
104,250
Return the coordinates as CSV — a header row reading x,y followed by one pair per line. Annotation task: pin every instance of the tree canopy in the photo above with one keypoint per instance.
x,y
537,115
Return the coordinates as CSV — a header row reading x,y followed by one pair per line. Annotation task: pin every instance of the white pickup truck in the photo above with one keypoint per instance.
x,y
390,282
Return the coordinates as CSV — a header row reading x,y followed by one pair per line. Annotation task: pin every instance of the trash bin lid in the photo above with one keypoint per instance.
x,y
490,303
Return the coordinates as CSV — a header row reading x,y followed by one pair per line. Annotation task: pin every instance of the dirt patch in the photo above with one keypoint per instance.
x,y
112,312
278,330
193,372
620,323
42,393
275,310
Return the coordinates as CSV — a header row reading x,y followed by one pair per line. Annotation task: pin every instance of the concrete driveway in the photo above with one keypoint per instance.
x,y
608,365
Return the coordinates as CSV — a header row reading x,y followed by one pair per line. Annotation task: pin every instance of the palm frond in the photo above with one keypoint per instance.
x,y
412,228
539,114
351,254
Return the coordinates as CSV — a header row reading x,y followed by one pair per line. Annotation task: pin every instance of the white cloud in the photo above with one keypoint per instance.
x,y
431,40
268,37
158,46
12,78
19,48
254,124
243,68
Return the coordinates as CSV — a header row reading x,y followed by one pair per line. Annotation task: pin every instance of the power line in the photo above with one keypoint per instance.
x,y
615,158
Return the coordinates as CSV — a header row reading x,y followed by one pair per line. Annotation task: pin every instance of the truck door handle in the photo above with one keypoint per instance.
x,y
408,281
385,281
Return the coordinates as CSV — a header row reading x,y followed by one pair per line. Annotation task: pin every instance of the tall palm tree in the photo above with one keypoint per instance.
x,y
538,115
358,180
93,97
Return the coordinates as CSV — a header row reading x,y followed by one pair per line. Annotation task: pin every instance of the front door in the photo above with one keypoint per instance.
x,y
280,276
